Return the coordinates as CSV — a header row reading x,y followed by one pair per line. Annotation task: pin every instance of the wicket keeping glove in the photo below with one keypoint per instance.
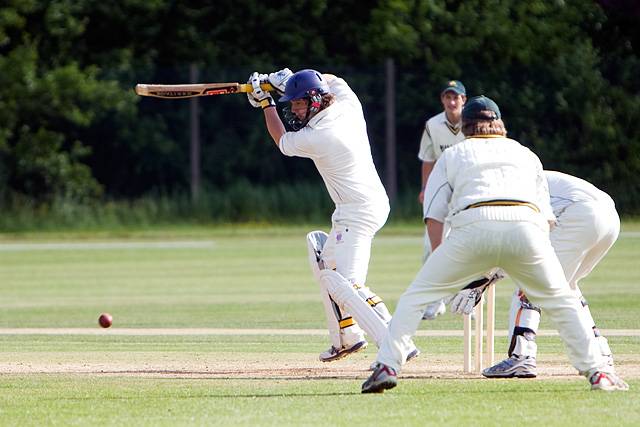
x,y
259,98
279,79
464,301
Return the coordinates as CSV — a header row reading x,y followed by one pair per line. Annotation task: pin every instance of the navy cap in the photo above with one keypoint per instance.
x,y
475,105
454,86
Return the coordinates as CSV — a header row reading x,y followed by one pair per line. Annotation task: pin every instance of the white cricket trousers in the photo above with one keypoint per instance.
x,y
348,247
584,234
523,250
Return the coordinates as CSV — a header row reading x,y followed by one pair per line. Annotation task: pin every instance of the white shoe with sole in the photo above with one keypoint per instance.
x,y
513,367
606,381
383,378
336,354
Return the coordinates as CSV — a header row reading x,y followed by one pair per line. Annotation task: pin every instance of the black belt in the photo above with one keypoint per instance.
x,y
503,203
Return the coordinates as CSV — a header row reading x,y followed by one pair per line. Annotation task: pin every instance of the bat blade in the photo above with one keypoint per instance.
x,y
192,90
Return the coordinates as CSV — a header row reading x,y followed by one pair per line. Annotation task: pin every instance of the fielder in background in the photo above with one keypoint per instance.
x,y
497,200
587,227
329,128
440,132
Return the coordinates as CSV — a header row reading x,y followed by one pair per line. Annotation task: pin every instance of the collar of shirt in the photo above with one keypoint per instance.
x,y
327,112
450,125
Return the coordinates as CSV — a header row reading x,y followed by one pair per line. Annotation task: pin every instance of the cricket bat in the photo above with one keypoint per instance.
x,y
197,89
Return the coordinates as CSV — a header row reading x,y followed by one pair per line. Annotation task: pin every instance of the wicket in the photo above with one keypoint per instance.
x,y
479,356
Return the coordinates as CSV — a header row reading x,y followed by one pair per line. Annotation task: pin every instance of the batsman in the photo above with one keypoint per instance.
x,y
328,127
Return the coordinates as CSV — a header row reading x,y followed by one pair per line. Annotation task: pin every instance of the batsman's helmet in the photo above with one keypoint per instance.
x,y
308,85
303,82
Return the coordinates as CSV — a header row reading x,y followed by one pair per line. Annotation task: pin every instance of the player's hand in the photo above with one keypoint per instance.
x,y
279,79
259,98
421,197
464,301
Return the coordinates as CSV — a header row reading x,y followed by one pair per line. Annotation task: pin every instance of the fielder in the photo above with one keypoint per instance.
x,y
497,200
587,226
440,132
329,128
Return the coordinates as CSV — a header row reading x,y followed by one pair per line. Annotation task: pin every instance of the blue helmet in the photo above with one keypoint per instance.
x,y
308,85
304,84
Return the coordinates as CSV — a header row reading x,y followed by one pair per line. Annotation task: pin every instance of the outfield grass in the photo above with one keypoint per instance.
x,y
251,277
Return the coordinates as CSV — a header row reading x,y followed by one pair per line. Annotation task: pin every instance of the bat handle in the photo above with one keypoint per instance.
x,y
246,87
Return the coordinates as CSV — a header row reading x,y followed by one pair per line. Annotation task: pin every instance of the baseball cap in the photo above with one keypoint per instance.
x,y
454,86
476,104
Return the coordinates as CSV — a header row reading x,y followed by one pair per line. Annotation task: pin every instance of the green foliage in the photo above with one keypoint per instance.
x,y
240,202
565,73
48,100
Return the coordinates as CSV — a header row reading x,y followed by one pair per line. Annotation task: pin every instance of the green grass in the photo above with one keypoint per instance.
x,y
258,277
74,400
244,280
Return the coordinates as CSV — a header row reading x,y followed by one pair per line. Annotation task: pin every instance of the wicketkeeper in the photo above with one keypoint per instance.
x,y
587,227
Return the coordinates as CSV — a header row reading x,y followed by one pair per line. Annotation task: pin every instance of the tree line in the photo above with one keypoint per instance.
x,y
564,72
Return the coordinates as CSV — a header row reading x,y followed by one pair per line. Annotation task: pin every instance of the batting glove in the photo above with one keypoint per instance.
x,y
259,98
279,79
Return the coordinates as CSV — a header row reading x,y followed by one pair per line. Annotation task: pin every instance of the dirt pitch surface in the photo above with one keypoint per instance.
x,y
261,365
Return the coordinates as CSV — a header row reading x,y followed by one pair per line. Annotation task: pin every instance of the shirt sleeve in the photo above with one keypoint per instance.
x,y
343,92
426,152
438,193
296,144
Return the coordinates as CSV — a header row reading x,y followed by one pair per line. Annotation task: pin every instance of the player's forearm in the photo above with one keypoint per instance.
x,y
274,124
434,229
427,167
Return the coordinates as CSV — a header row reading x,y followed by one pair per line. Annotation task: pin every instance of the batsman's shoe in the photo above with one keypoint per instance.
x,y
383,378
515,366
338,353
607,382
415,353
434,310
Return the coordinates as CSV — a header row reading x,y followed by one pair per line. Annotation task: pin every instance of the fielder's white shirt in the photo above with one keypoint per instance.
x,y
438,135
485,169
566,190
336,140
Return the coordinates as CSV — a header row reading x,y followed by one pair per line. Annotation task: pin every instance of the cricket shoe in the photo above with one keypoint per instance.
x,y
515,366
415,353
383,378
607,381
338,353
434,310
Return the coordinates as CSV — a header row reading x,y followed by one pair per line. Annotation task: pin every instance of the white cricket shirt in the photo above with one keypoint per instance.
x,y
438,135
485,169
336,140
565,190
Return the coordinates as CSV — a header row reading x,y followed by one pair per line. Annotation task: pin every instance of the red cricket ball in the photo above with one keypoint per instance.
x,y
105,320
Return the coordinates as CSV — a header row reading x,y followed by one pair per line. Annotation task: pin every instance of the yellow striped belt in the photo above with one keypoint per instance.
x,y
503,203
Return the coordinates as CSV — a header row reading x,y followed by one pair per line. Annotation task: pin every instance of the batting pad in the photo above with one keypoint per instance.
x,y
343,331
343,293
315,243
